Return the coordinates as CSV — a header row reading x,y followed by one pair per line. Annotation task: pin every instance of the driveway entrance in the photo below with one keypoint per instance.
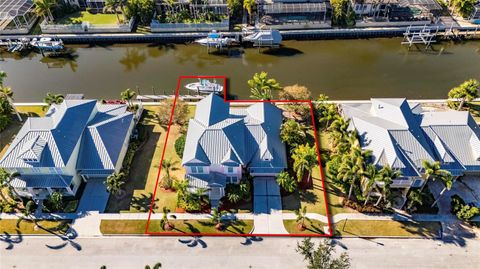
x,y
95,196
267,206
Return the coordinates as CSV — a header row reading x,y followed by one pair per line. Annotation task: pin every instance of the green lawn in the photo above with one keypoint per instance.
x,y
141,181
84,16
181,226
312,227
314,200
28,227
387,228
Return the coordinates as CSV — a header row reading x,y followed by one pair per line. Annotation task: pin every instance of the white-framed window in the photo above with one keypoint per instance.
x,y
232,180
197,169
230,170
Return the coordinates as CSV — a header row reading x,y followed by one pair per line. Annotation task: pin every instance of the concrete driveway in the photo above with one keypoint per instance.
x,y
458,188
95,196
267,207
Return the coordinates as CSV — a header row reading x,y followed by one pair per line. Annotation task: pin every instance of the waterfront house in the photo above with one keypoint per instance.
x,y
191,16
371,13
16,16
295,14
224,142
402,134
76,140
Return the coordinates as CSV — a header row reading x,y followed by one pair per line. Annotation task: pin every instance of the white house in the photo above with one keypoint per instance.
x,y
222,142
75,141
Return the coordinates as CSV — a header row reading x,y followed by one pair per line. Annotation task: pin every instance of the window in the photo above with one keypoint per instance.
x,y
232,180
229,170
200,169
197,169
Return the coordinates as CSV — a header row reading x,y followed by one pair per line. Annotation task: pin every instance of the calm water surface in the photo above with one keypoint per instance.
x,y
343,69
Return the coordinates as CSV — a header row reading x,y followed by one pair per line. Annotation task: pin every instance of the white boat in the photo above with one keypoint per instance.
x,y
264,38
47,44
215,40
205,85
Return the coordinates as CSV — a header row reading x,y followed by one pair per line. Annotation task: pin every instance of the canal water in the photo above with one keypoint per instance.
x,y
342,69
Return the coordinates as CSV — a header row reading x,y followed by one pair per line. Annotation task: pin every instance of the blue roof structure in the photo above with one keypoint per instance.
x,y
99,130
228,136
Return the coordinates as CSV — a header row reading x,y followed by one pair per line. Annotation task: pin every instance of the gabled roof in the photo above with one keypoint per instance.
x,y
402,135
50,141
235,136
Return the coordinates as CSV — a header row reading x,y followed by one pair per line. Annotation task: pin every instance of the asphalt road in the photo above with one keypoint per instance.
x,y
174,252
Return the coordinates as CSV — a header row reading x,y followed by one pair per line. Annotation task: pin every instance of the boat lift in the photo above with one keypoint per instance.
x,y
419,35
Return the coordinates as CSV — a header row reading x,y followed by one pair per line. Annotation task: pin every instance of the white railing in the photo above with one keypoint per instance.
x,y
397,183
86,27
157,27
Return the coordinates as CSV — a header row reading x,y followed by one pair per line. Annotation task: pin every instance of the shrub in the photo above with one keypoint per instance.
x,y
180,115
4,121
287,182
180,145
238,192
462,210
6,207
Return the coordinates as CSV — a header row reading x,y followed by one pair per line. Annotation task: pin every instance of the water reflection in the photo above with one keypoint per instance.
x,y
133,58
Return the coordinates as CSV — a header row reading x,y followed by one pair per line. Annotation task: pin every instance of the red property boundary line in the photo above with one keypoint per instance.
x,y
308,102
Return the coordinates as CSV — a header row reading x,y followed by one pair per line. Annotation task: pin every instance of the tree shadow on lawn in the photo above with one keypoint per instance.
x,y
143,203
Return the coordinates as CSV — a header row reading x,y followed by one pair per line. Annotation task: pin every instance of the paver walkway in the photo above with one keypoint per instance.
x,y
267,207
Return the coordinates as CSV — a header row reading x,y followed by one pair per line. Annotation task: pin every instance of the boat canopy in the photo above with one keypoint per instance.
x,y
213,35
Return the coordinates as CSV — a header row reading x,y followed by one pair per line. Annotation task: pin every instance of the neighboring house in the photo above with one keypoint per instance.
x,y
223,142
402,135
395,12
295,14
75,141
16,16
475,17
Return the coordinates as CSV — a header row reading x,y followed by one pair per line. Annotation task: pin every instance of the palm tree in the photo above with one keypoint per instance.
x,y
5,180
52,98
328,114
111,6
164,223
414,197
447,180
128,95
371,175
386,177
56,201
304,159
3,76
43,8
262,87
287,182
248,5
217,218
8,93
114,182
466,92
431,171
301,217
168,165
122,4
349,172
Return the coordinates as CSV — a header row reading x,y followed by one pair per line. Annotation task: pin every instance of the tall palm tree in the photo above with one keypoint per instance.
x,y
431,171
386,177
52,98
5,180
8,93
304,160
262,87
349,172
328,114
165,224
114,182
43,8
301,217
168,166
122,4
128,95
371,175
414,197
447,180
111,6
249,5
465,92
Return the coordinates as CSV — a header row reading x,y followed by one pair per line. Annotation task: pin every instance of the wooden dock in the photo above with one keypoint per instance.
x,y
159,98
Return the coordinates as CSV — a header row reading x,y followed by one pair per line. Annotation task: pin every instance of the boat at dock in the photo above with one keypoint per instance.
x,y
216,40
263,38
47,44
205,86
